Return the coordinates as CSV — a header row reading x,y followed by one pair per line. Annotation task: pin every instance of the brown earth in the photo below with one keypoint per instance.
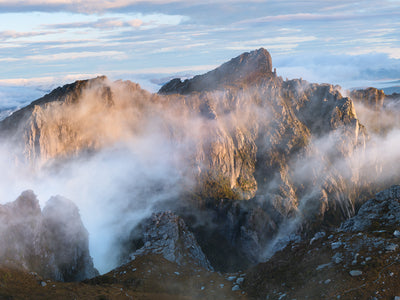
x,y
150,277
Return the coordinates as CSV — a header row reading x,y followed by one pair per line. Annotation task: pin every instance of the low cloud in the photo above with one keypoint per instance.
x,y
346,70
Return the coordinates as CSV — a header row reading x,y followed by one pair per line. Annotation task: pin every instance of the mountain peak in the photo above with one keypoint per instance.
x,y
243,68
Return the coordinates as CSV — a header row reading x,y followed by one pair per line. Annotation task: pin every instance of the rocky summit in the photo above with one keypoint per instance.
x,y
244,68
232,184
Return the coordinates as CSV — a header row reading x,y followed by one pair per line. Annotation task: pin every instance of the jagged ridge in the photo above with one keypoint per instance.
x,y
244,131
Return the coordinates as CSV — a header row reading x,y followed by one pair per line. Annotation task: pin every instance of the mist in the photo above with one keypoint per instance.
x,y
115,185
121,153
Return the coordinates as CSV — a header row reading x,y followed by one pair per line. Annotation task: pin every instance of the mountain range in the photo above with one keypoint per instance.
x,y
236,169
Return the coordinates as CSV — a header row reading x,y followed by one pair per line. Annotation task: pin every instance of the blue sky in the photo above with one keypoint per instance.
x,y
52,42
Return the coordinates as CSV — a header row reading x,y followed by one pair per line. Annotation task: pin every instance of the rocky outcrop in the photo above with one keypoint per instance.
x,y
381,212
67,240
372,97
53,243
379,112
167,234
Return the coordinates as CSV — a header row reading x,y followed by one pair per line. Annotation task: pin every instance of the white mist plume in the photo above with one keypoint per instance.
x,y
119,153
114,188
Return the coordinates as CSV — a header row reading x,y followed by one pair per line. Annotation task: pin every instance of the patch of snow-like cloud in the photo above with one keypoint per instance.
x,y
15,97
349,71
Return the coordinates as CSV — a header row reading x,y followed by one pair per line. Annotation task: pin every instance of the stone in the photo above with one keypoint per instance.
x,y
355,273
236,288
317,236
323,266
336,245
240,280
337,258
391,247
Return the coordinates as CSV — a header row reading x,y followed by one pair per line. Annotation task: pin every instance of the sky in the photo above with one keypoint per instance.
x,y
47,43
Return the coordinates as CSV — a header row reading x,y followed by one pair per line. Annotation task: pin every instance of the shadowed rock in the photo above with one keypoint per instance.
x,y
381,212
53,243
167,234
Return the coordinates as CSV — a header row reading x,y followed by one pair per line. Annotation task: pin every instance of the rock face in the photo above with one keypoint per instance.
x,y
167,234
53,243
276,124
